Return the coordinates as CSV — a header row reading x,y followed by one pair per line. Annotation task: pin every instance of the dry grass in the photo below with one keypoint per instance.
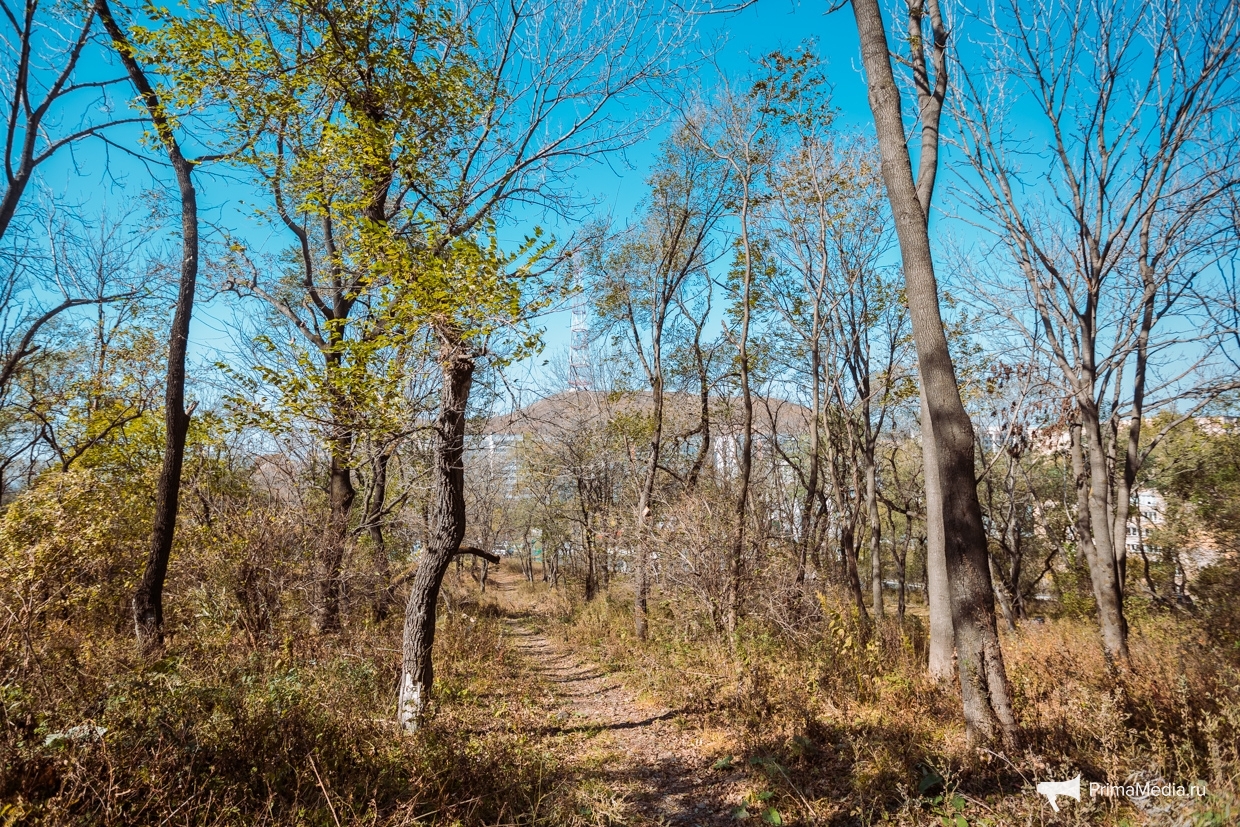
x,y
221,732
846,728
830,725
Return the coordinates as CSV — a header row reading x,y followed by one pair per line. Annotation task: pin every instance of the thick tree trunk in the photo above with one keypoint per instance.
x,y
1082,528
447,531
341,494
148,600
1103,567
985,692
942,665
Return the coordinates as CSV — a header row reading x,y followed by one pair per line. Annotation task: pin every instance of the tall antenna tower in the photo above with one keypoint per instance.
x,y
579,344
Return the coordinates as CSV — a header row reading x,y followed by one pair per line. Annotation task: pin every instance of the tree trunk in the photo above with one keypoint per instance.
x,y
902,568
811,478
605,583
447,531
1009,591
848,548
942,666
587,543
703,376
876,536
1004,595
383,598
736,559
985,693
148,599
341,493
1103,568
1132,454
644,501
847,528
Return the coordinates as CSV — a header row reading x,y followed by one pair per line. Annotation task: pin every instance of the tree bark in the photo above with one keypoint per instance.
x,y
876,533
942,666
703,377
447,531
985,693
329,586
848,548
1008,590
902,566
810,500
148,600
1132,454
587,545
1102,558
383,598
847,516
644,500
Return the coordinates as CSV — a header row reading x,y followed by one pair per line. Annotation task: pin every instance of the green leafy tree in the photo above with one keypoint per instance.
x,y
339,111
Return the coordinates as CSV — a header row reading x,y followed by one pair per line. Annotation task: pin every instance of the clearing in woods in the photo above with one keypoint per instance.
x,y
631,761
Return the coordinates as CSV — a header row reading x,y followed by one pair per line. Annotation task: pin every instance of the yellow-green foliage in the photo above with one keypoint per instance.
x,y
70,547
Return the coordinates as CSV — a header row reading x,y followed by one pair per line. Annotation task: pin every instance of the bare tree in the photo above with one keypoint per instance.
x,y
984,687
107,360
41,52
1138,170
40,73
148,601
641,276
828,226
736,128
55,366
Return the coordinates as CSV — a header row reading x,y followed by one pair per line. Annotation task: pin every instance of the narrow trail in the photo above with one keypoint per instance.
x,y
632,761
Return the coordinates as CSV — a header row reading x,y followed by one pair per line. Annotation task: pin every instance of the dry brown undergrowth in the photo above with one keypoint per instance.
x,y
842,729
814,722
220,731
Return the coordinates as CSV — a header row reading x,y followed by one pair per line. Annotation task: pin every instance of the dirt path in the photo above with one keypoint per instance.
x,y
633,762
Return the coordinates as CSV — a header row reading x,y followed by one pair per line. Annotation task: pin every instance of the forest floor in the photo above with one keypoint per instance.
x,y
629,759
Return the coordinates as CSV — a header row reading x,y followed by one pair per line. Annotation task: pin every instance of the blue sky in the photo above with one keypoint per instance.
x,y
737,40
95,177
